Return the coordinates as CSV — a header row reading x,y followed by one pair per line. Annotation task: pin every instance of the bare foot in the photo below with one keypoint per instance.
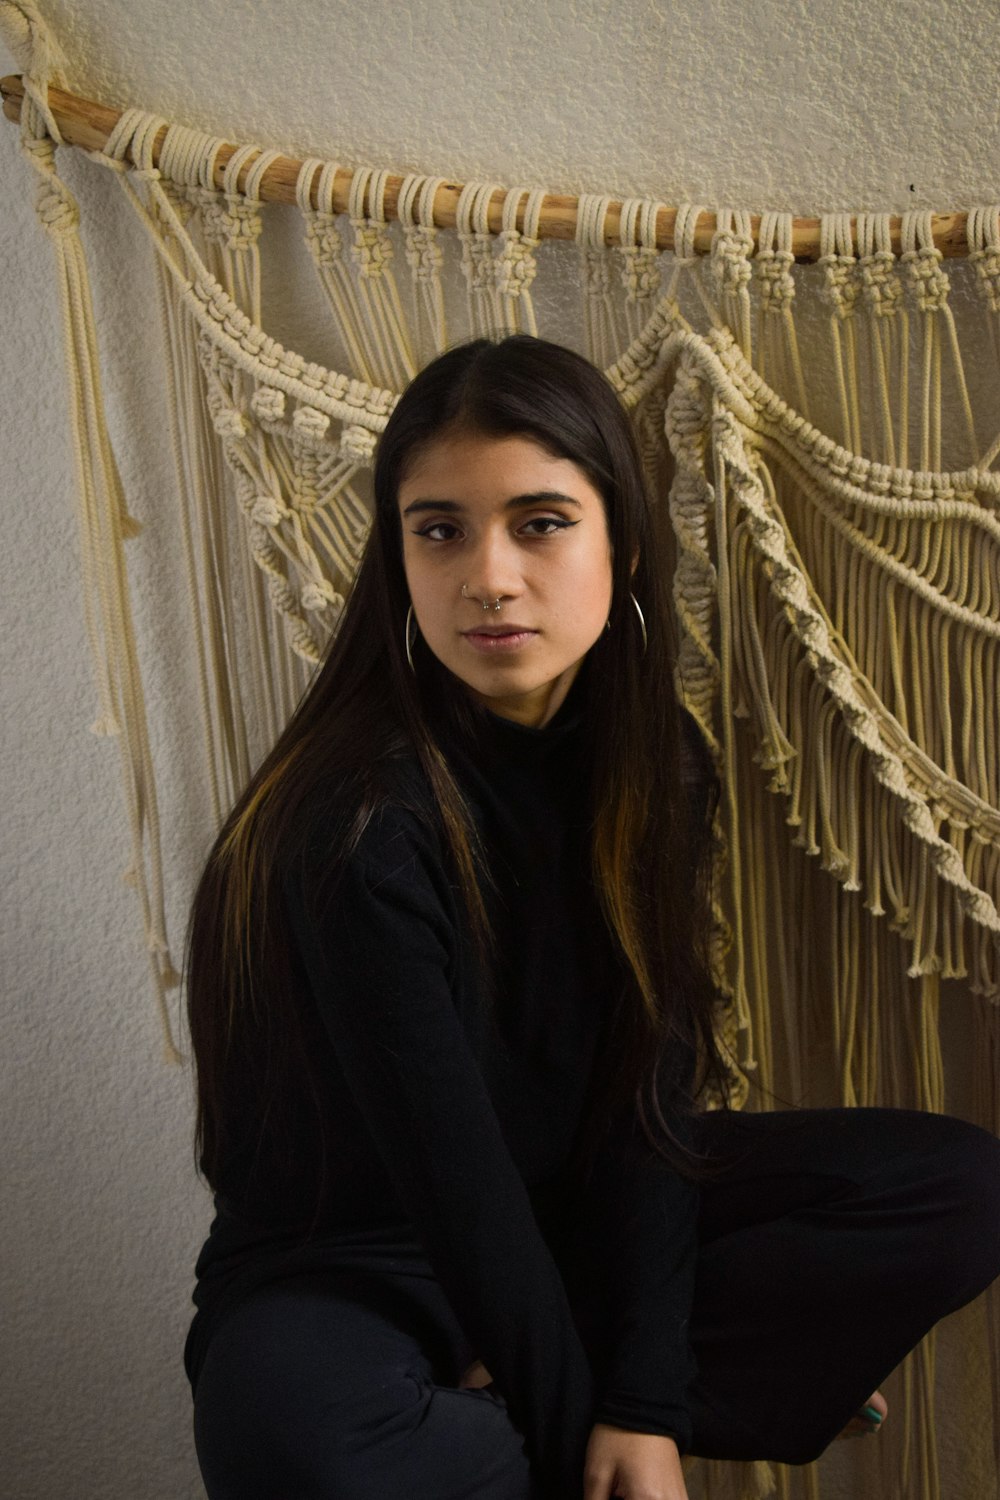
x,y
869,1418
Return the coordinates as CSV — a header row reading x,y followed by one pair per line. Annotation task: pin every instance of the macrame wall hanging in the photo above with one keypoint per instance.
x,y
837,586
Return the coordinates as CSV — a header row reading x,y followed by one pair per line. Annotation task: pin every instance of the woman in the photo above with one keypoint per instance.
x,y
451,1021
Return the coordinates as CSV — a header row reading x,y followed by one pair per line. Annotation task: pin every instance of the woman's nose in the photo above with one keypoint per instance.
x,y
493,571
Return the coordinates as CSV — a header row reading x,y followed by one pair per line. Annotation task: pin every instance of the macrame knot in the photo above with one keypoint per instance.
x,y
946,860
371,251
879,283
357,443
214,306
268,404
267,510
41,151
515,264
477,262
596,273
381,403
880,478
640,272
57,211
324,239
281,593
791,423
686,415
207,203
317,594
724,347
255,341
988,272
423,253
304,493
215,361
839,462
983,233
242,223
987,264
930,283
302,640
312,375
310,423
229,423
214,217
840,286
356,394
777,285
473,230
731,260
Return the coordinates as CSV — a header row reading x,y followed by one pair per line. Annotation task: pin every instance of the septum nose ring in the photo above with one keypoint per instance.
x,y
484,602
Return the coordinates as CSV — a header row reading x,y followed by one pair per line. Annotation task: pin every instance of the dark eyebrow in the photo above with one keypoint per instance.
x,y
517,502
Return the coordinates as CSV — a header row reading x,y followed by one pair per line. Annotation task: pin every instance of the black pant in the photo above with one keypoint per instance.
x,y
830,1241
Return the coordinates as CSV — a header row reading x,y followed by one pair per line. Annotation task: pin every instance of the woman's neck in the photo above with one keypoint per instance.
x,y
536,709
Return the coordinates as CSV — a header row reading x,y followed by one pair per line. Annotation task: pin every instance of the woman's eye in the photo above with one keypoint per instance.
x,y
438,531
546,525
537,526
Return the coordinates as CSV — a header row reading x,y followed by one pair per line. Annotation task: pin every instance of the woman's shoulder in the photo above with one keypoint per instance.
x,y
370,817
367,852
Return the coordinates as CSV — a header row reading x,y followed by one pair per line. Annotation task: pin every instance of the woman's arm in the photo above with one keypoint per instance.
x,y
381,961
638,1237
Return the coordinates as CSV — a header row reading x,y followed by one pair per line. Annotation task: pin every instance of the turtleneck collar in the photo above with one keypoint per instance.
x,y
506,737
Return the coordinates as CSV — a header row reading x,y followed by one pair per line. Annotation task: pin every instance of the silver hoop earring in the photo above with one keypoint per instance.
x,y
642,623
408,638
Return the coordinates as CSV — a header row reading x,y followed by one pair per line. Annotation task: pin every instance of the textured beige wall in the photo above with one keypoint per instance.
x,y
806,105
767,104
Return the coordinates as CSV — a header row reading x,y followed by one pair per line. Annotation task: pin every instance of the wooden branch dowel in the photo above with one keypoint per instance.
x,y
85,123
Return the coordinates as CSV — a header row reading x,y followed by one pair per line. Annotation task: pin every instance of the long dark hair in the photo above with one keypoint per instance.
x,y
366,706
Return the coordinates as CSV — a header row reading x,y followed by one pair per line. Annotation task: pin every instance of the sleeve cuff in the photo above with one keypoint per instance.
x,y
636,1416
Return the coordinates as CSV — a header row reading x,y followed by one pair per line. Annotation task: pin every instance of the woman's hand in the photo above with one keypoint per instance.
x,y
633,1465
475,1378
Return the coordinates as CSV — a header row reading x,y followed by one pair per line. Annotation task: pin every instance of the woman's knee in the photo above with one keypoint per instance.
x,y
255,1442
944,1197
428,1442
400,1437
970,1165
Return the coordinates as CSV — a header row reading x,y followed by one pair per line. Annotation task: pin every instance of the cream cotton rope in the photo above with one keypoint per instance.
x,y
423,253
837,611
516,267
599,319
473,233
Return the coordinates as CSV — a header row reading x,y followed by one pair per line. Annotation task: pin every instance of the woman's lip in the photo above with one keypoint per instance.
x,y
510,638
500,630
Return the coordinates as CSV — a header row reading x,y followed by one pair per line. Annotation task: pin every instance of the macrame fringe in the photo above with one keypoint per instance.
x,y
732,1481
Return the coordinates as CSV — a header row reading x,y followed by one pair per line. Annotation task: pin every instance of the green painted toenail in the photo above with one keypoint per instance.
x,y
873,1414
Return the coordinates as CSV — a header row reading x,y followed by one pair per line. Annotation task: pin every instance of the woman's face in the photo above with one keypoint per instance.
x,y
509,521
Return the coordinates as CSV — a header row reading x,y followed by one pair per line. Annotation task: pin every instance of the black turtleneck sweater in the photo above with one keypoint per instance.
x,y
452,1106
